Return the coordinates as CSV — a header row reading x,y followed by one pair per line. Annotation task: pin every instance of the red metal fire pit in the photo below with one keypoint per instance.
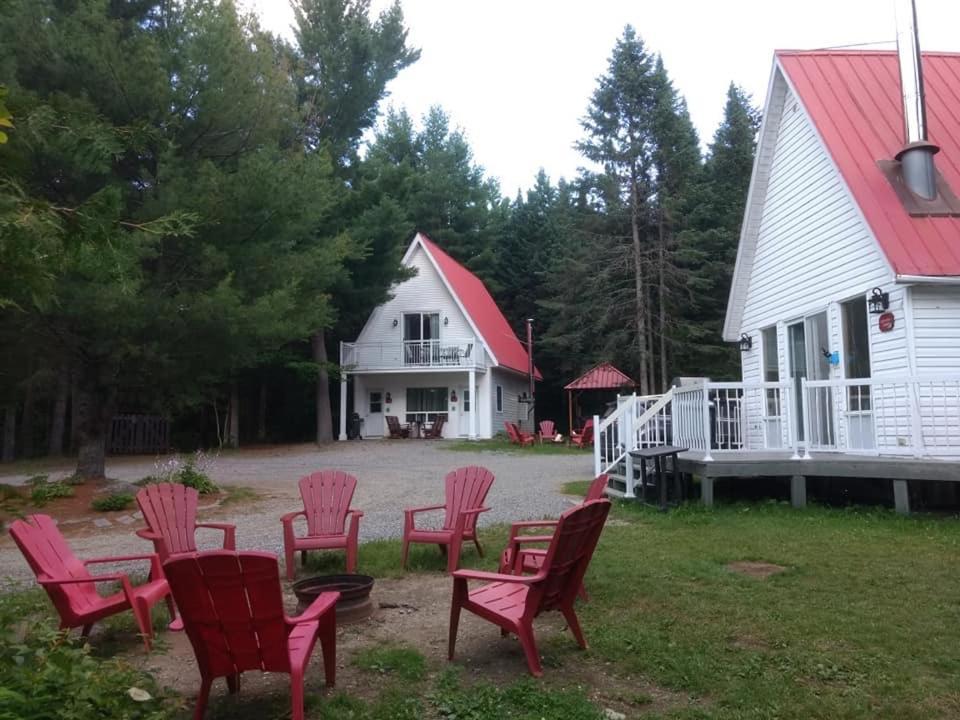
x,y
354,604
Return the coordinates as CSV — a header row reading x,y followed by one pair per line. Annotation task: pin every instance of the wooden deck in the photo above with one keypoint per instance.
x,y
900,471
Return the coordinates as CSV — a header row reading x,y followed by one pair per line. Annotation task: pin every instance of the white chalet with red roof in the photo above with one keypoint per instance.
x,y
438,348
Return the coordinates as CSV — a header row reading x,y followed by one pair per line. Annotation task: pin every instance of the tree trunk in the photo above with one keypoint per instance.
x,y
59,419
233,416
262,421
94,410
661,299
324,415
26,420
648,370
638,283
9,432
74,411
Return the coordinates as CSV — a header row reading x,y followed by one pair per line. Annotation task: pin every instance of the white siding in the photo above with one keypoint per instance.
x,y
424,292
812,246
936,330
513,411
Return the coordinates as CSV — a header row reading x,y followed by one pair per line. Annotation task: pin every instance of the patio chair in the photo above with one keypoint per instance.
x,y
71,587
517,437
436,430
513,601
170,511
547,429
518,560
584,438
466,489
233,613
396,429
326,504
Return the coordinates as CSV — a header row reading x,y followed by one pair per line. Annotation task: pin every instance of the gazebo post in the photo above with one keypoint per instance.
x,y
569,411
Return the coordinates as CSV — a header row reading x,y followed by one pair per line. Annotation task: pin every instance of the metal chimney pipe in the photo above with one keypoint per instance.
x,y
916,157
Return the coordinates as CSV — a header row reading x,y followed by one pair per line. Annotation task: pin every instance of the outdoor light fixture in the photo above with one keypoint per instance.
x,y
388,398
395,322
453,396
446,320
746,342
879,301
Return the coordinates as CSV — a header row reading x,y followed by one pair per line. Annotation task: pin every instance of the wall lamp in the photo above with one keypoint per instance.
x,y
395,322
746,342
879,301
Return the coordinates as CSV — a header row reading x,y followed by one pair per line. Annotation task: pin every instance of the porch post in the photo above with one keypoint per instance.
x,y
473,404
627,439
707,457
901,497
798,491
343,406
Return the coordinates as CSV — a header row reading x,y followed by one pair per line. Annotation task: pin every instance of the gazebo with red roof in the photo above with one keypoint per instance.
x,y
600,377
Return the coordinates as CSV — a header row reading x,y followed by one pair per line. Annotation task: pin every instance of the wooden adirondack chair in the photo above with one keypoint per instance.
x,y
232,610
513,601
170,511
466,489
71,587
395,429
326,505
585,437
436,430
547,430
517,437
517,559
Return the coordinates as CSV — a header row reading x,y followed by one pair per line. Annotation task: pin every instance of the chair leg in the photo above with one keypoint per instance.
x,y
85,631
141,611
459,593
476,541
351,559
296,693
202,698
233,683
571,617
529,644
290,556
328,646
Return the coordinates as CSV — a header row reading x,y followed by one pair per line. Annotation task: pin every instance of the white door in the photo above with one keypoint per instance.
x,y
858,403
463,412
808,344
374,425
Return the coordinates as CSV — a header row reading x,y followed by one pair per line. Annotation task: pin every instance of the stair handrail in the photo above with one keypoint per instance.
x,y
635,426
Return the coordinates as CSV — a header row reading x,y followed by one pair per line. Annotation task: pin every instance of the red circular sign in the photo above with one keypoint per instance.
x,y
886,322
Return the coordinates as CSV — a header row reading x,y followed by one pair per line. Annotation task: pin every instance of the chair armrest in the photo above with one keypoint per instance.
x,y
530,539
474,511
217,526
357,513
516,527
495,577
289,517
148,534
73,581
324,603
415,510
120,558
229,533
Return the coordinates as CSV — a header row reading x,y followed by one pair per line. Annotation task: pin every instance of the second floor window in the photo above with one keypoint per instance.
x,y
421,326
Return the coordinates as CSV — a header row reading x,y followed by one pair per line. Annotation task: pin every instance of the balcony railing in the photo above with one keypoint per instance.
x,y
412,354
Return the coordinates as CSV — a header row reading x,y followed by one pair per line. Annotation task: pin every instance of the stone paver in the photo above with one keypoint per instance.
x,y
391,475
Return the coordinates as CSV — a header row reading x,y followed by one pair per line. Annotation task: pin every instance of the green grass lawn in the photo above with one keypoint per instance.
x,y
502,444
864,622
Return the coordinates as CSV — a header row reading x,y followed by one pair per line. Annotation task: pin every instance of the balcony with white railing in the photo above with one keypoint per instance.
x,y
446,354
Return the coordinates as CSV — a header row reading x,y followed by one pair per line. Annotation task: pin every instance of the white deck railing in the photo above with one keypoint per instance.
x,y
463,353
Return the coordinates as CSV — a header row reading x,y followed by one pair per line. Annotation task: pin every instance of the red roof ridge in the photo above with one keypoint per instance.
x,y
481,309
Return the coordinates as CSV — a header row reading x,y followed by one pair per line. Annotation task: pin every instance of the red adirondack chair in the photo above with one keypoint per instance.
x,y
466,489
232,610
71,587
547,430
326,505
516,436
170,511
513,601
517,559
585,437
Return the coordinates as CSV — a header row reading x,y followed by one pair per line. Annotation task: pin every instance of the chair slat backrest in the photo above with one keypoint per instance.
x,y
393,424
436,430
466,488
570,552
232,610
50,557
170,509
512,432
547,428
597,489
588,432
326,499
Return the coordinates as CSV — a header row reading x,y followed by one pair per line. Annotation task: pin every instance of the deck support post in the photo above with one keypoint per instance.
x,y
901,497
627,439
706,490
798,491
343,407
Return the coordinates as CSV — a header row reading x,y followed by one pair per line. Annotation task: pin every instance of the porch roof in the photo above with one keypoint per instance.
x,y
601,377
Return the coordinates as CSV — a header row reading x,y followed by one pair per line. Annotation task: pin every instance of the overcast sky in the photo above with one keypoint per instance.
x,y
517,75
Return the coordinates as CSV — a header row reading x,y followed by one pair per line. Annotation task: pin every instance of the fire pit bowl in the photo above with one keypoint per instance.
x,y
354,603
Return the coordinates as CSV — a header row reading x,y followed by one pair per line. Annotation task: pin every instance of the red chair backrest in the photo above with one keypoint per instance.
x,y
170,509
232,610
547,428
597,488
326,499
49,556
512,432
466,488
570,552
436,430
587,432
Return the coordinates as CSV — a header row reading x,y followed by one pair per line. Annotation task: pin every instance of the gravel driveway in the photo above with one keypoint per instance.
x,y
391,475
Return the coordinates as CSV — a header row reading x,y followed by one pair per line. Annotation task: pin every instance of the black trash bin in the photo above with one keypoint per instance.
x,y
353,427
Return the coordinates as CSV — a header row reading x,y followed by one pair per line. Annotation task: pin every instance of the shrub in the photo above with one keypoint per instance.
x,y
191,472
113,501
42,491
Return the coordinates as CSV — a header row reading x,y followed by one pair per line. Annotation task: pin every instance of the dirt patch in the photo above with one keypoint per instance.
x,y
761,570
750,642
414,611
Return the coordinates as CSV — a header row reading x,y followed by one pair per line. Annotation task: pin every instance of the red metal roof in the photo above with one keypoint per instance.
x,y
854,100
482,309
602,377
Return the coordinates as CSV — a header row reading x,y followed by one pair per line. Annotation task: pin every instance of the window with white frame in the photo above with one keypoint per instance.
x,y
376,401
425,404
